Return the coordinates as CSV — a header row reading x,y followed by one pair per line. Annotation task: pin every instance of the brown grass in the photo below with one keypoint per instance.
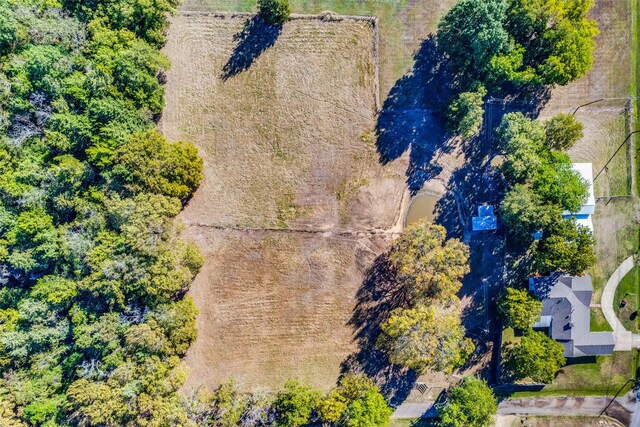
x,y
294,205
275,305
287,132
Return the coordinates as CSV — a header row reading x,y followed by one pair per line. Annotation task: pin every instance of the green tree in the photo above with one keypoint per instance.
x,y
8,28
557,37
149,163
568,247
524,212
537,357
355,402
519,309
471,33
295,404
425,338
465,113
563,131
274,12
430,265
558,183
471,403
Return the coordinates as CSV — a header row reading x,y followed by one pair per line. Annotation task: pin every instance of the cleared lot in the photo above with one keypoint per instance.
x,y
294,206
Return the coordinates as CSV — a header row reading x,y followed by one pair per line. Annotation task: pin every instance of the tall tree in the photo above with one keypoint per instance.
x,y
356,402
465,113
567,247
537,357
274,12
471,403
471,33
519,309
425,338
294,404
430,265
563,131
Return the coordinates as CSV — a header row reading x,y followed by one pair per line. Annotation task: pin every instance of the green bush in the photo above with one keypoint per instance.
x,y
274,12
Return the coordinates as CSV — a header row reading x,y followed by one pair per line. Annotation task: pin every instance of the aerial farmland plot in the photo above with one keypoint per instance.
x,y
294,205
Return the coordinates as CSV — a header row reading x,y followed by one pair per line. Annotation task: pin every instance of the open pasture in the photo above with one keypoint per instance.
x,y
294,206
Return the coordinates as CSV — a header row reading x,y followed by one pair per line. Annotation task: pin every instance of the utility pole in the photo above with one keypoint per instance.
x,y
614,154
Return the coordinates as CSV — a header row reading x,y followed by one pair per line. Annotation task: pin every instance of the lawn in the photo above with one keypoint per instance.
x,y
584,377
628,290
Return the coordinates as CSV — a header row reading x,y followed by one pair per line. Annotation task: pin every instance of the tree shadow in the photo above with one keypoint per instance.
x,y
410,117
255,37
378,296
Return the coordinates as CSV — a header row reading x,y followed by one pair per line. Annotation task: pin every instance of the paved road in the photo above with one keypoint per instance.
x,y
591,405
625,340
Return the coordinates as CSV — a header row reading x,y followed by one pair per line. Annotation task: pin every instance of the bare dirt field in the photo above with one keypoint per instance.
x,y
275,305
294,206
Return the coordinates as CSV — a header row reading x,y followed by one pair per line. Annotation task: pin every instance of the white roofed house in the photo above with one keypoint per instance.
x,y
583,216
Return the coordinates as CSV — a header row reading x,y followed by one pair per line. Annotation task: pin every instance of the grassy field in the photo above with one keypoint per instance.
x,y
289,153
628,290
403,24
284,142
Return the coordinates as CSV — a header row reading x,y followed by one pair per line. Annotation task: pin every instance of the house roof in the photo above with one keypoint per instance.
x,y
566,311
486,219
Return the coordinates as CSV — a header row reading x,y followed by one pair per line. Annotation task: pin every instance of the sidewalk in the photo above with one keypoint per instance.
x,y
625,340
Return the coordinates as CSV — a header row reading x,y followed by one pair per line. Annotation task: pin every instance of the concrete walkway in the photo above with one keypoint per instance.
x,y
625,340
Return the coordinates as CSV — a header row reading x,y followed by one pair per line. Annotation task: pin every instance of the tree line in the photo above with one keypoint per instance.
x,y
93,315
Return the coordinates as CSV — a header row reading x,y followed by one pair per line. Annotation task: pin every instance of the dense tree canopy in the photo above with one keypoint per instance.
x,y
542,180
465,113
563,131
94,321
537,357
295,404
472,33
501,43
519,309
430,265
356,402
471,403
567,247
425,338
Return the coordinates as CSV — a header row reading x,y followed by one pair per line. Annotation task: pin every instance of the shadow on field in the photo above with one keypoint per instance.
x,y
378,296
410,118
255,37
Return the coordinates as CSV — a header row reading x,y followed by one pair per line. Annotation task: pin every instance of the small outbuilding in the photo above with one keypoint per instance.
x,y
486,219
583,216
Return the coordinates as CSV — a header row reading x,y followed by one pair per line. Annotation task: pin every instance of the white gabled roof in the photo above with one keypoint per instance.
x,y
586,172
